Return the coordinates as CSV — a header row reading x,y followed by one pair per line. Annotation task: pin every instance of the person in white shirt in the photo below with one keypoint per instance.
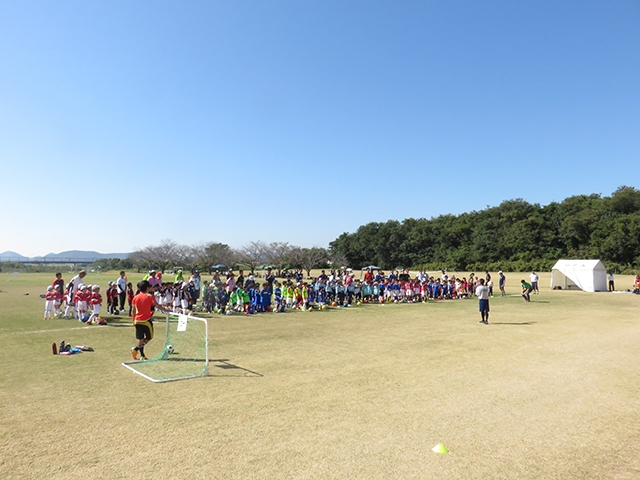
x,y
121,283
611,282
72,288
482,292
534,282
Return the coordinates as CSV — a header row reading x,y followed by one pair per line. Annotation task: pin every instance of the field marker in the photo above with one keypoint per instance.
x,y
440,448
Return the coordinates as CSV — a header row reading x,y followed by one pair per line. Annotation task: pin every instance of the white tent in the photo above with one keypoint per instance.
x,y
587,275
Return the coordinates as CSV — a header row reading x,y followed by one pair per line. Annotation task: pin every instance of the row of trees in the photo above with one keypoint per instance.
x,y
515,235
280,255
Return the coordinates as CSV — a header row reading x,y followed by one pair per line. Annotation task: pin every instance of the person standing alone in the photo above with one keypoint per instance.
x,y
534,282
122,289
482,292
503,281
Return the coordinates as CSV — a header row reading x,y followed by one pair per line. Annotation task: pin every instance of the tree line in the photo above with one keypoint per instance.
x,y
515,236
281,256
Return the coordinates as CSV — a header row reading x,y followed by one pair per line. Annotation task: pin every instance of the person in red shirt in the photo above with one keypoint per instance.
x,y
368,277
48,303
143,305
57,301
130,297
112,299
96,304
81,299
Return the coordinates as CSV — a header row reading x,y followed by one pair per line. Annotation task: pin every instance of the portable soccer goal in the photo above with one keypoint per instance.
x,y
185,353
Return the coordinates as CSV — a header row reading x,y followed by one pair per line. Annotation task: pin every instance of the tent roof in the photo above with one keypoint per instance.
x,y
579,264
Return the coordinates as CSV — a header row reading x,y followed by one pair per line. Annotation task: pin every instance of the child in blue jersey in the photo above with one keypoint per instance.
x,y
331,291
321,296
341,293
265,297
395,291
277,293
254,298
436,290
312,294
222,300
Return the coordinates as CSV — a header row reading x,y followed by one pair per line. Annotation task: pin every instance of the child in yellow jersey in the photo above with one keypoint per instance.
x,y
288,295
305,296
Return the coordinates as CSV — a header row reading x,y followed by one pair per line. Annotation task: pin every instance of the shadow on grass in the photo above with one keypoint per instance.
x,y
512,323
230,369
234,370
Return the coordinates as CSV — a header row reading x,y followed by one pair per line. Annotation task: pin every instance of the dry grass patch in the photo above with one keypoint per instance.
x,y
549,389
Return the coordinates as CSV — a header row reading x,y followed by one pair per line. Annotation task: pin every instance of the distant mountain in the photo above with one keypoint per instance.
x,y
11,256
70,255
88,255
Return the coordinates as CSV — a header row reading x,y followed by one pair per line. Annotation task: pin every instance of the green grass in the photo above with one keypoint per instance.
x,y
549,389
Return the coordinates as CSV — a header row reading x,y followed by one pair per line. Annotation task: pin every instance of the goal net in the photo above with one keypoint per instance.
x,y
184,353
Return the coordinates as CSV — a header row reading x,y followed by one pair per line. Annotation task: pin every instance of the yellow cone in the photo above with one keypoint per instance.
x,y
440,448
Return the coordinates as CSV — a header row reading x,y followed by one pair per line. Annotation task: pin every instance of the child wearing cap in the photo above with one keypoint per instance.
x,y
48,303
82,297
57,300
112,299
96,305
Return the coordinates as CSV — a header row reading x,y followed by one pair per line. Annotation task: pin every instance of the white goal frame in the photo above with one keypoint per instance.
x,y
131,363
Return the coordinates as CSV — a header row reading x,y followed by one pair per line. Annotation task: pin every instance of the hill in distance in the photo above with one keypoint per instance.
x,y
12,255
80,255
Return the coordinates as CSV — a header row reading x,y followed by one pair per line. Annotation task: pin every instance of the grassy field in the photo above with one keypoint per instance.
x,y
548,390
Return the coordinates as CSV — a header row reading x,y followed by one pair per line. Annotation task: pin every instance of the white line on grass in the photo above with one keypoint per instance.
x,y
43,331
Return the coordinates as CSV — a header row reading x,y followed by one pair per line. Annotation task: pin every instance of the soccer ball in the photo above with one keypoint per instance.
x,y
169,349
311,309
359,303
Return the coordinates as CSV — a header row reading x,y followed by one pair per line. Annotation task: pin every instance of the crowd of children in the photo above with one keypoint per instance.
x,y
83,302
339,288
255,295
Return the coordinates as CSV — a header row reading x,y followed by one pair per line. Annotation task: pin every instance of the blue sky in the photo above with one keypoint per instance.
x,y
125,123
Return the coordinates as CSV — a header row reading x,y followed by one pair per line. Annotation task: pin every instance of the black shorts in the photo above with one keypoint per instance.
x,y
144,330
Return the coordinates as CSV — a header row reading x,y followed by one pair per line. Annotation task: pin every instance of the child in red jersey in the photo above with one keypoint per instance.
x,y
57,300
81,299
48,303
96,305
130,295
408,291
112,299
